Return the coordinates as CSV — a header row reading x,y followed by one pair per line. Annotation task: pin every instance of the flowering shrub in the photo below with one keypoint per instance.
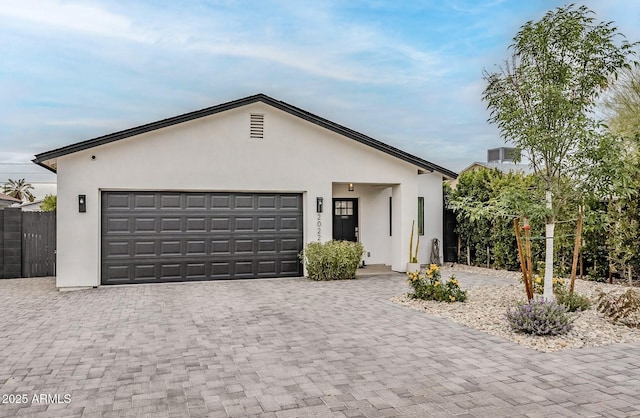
x,y
429,286
539,317
538,284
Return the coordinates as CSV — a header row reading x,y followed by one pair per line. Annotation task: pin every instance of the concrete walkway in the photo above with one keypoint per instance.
x,y
283,348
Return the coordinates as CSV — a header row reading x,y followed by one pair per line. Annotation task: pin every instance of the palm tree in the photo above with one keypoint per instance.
x,y
19,189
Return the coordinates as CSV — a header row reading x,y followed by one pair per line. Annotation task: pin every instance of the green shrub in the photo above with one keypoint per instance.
x,y
573,301
538,284
597,274
623,309
429,286
539,317
49,203
333,260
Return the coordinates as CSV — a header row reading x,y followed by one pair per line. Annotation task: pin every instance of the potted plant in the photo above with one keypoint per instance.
x,y
413,265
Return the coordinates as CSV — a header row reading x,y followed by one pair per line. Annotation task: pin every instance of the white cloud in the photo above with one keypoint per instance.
x,y
317,41
91,123
77,17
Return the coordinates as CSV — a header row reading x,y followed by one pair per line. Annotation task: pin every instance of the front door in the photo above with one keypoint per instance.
x,y
345,219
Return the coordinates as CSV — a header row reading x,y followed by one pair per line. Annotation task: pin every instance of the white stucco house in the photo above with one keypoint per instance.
x,y
234,191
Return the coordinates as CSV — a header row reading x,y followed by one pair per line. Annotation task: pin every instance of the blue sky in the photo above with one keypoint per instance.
x,y
408,73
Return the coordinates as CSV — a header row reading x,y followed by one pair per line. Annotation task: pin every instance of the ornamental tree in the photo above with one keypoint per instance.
x,y
623,105
19,189
542,98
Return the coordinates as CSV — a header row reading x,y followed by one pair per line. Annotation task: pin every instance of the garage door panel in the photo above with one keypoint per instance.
x,y
118,272
196,224
197,270
291,202
144,248
170,225
289,223
220,269
243,246
144,225
290,245
196,247
117,201
266,224
117,225
289,267
243,268
222,224
221,201
119,249
244,202
196,201
170,201
267,202
243,224
144,201
219,247
171,236
145,271
266,246
171,270
170,248
267,267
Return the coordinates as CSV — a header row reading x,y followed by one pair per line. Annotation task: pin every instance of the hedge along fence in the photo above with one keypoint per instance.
x,y
332,260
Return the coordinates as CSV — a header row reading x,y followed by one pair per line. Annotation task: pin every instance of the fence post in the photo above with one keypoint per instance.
x,y
12,251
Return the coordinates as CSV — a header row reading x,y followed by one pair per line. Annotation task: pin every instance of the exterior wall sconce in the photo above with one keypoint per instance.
x,y
82,203
350,187
319,204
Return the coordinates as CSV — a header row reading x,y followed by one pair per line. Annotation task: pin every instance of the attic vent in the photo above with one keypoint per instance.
x,y
256,126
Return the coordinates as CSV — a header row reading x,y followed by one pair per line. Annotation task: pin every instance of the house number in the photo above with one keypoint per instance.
x,y
319,225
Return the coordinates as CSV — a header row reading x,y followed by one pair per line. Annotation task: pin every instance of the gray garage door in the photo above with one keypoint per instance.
x,y
176,236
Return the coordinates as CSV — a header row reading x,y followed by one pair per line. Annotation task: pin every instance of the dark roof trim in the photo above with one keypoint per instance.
x,y
303,114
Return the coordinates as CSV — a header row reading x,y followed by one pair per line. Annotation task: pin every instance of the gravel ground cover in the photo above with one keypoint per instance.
x,y
486,306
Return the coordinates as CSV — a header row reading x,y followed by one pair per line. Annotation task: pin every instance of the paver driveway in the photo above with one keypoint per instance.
x,y
285,348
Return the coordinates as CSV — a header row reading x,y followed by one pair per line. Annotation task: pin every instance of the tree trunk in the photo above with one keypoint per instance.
x,y
548,264
488,257
576,250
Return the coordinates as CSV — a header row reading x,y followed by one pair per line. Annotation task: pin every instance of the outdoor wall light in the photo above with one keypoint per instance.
x,y
350,187
82,203
319,204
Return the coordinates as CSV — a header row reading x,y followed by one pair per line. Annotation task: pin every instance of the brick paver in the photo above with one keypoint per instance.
x,y
284,348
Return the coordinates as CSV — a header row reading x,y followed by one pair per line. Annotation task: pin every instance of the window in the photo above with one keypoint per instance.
x,y
420,215
343,207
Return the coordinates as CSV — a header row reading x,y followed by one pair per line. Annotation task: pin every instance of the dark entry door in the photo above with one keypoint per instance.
x,y
345,219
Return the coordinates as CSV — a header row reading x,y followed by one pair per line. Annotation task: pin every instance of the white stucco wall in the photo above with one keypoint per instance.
x,y
373,207
430,187
215,153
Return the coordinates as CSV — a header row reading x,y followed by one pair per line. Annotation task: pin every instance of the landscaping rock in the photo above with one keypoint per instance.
x,y
486,306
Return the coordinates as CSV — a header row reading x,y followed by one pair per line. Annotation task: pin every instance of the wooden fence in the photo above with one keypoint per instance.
x,y
27,243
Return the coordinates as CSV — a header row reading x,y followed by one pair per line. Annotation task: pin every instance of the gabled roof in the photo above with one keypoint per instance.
x,y
47,159
504,167
8,198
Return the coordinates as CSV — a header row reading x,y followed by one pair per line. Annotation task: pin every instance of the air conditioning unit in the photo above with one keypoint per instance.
x,y
502,155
